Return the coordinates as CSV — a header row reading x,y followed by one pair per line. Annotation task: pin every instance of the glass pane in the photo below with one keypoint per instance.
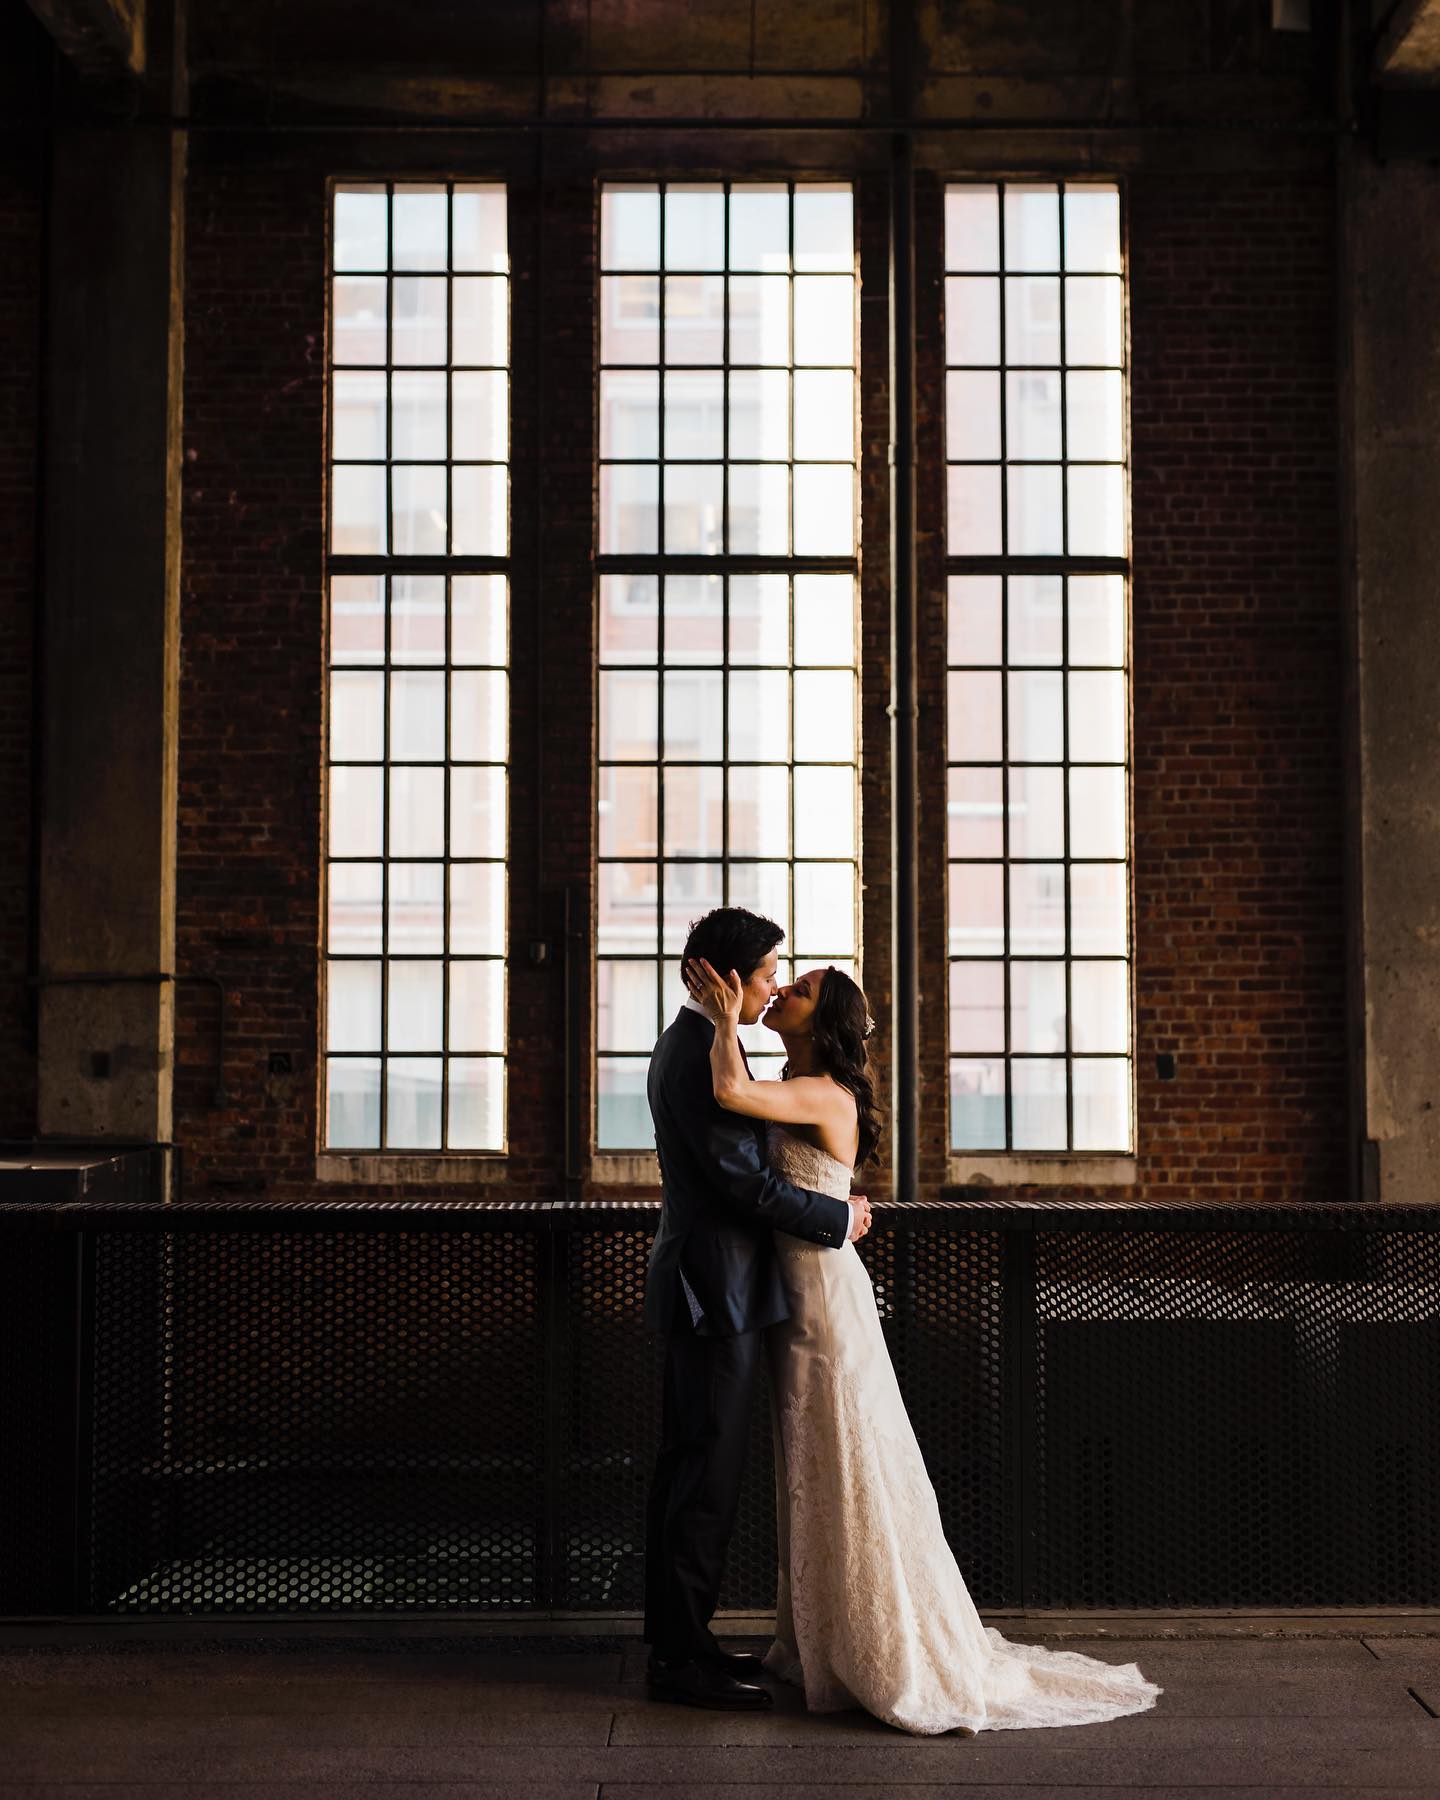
x,y
972,414
1102,1104
480,405
357,716
629,509
417,621
1032,320
417,812
1036,619
417,716
824,230
629,716
694,318
972,320
763,887
412,1102
688,890
353,908
694,414
973,619
358,415
476,1103
360,228
629,812
357,510
694,496
695,715
630,319
1097,619
627,896
824,812
1097,716
622,1113
1034,524
1093,420
824,414
1097,909
629,618
759,715
630,413
977,1105
1101,999
352,1005
477,1005
479,625
630,227
356,811
824,715
1037,812
825,619
626,1003
1037,1007
759,228
759,509
1037,717
1032,415
694,227
1037,1090
760,414
1094,320
760,618
415,920
760,319
479,715
420,227
977,1006
760,812
973,510
824,510
694,619
973,717
478,307
480,525
357,618
1092,228
417,497
1097,510
352,1103
418,332
1037,909
477,812
694,812
478,227
1097,812
974,808
825,320
1032,227
477,909
824,909
358,322
972,228
977,909
414,1001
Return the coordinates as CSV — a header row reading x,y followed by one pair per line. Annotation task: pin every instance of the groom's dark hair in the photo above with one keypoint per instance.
x,y
732,938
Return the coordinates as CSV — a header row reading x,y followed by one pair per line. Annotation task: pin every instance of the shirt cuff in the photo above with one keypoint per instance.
x,y
849,1220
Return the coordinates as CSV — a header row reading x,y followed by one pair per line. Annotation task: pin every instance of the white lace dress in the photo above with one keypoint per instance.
x,y
871,1608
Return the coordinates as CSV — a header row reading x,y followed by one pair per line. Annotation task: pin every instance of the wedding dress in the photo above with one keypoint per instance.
x,y
871,1608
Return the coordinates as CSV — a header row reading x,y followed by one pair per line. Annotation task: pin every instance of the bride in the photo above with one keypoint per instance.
x,y
871,1608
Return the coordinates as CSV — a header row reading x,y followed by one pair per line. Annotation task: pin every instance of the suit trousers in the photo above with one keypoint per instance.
x,y
695,1491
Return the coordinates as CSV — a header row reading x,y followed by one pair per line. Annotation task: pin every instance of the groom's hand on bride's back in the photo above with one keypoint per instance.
x,y
860,1220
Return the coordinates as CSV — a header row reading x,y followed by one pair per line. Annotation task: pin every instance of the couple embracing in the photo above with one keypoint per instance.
x,y
756,1245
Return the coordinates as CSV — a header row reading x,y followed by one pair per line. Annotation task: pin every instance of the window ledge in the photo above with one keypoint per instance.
x,y
371,1168
610,1168
1009,1169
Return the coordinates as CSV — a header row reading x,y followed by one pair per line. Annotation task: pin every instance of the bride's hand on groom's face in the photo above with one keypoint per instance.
x,y
860,1223
721,996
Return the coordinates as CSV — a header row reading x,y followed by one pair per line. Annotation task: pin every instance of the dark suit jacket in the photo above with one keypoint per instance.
x,y
721,1201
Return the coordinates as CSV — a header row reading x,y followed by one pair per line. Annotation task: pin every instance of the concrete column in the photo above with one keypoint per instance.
x,y
111,632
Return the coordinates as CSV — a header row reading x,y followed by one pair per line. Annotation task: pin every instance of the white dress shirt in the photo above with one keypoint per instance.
x,y
694,1005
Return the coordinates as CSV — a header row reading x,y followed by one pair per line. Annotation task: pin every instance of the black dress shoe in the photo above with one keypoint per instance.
x,y
704,1684
739,1663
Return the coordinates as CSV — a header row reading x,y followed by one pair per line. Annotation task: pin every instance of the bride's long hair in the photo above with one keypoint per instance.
x,y
840,1025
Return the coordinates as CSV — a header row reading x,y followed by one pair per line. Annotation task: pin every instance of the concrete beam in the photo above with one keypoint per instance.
x,y
1409,47
101,37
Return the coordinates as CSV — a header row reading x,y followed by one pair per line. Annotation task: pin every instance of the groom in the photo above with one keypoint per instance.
x,y
713,1283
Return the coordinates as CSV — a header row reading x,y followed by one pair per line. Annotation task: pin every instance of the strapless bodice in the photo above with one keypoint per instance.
x,y
805,1164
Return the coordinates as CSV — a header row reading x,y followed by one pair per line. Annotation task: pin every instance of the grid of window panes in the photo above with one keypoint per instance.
x,y
727,677
1038,693
416,792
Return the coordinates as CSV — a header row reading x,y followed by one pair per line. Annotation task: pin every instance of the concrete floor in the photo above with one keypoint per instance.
x,y
1252,1707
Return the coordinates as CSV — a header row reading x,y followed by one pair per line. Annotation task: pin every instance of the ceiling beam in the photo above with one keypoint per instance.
x,y
101,37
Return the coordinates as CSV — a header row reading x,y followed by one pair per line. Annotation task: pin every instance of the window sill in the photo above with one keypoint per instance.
x,y
374,1168
611,1168
1006,1170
